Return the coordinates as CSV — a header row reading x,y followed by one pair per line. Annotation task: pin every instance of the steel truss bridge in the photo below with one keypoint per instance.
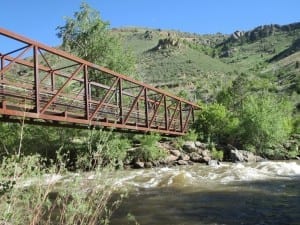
x,y
45,85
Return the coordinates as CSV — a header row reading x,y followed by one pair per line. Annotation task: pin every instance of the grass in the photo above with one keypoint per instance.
x,y
160,65
45,196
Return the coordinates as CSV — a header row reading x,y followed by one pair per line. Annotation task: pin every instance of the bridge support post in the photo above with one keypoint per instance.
x,y
166,114
1,78
180,116
36,80
52,81
86,93
120,99
146,108
187,119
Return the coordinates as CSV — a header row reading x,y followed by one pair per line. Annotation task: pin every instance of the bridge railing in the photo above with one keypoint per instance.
x,y
47,85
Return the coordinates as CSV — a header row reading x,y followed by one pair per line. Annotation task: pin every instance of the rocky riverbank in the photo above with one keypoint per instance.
x,y
193,152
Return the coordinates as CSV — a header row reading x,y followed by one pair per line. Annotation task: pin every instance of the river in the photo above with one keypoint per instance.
x,y
256,193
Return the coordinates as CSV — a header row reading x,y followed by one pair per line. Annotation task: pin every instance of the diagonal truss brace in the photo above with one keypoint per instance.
x,y
104,99
62,88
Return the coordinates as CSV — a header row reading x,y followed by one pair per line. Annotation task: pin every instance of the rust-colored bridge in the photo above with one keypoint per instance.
x,y
44,85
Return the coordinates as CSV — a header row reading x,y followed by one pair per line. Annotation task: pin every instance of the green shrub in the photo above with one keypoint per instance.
x,y
105,148
9,139
178,142
116,150
265,121
148,149
217,154
296,124
216,123
191,135
293,154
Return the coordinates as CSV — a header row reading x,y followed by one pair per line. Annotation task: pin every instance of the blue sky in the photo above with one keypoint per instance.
x,y
38,19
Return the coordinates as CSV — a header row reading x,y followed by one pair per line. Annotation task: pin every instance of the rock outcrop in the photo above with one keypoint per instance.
x,y
244,156
167,43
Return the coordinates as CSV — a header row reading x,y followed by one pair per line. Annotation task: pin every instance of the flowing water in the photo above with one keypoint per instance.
x,y
258,193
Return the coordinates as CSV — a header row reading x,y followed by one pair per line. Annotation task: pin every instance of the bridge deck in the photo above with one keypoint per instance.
x,y
49,86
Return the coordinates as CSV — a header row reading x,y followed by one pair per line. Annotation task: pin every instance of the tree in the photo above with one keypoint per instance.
x,y
216,123
265,121
89,37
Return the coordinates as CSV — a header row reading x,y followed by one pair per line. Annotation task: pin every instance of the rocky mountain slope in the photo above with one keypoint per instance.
x,y
199,66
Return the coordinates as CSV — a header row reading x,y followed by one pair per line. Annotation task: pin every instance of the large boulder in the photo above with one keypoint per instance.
x,y
206,159
237,35
139,165
156,163
175,152
243,156
167,43
195,157
189,146
148,164
184,157
182,162
205,153
199,144
171,158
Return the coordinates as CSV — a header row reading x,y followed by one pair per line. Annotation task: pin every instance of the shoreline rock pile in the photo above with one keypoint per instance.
x,y
190,153
193,152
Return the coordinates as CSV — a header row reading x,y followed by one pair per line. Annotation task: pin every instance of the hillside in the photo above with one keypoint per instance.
x,y
202,65
180,61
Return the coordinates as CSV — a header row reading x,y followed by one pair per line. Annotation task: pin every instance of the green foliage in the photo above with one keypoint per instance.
x,y
294,150
13,198
216,123
148,149
69,149
104,148
9,136
179,142
88,36
115,152
296,124
16,166
255,122
242,86
265,121
183,94
217,154
191,135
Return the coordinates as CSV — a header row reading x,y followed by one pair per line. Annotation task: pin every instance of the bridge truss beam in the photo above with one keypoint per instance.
x,y
48,86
